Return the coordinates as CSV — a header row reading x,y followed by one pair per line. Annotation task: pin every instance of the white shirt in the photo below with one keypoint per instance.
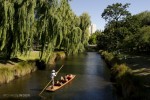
x,y
53,74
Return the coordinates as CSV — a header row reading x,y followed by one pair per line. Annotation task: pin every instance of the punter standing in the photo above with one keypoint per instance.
x,y
53,74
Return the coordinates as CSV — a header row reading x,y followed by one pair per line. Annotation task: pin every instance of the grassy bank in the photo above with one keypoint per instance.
x,y
10,72
22,65
56,56
130,83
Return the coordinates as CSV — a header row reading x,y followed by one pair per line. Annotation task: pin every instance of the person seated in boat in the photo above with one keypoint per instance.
x,y
53,74
66,77
57,83
63,80
69,76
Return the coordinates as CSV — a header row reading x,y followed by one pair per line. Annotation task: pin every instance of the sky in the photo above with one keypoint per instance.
x,y
95,8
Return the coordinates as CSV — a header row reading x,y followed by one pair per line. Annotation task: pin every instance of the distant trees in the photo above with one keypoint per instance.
x,y
93,38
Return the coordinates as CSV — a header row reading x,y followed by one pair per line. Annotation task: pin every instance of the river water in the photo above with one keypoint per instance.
x,y
91,82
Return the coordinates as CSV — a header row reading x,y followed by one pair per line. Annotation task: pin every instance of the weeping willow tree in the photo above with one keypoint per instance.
x,y
16,26
52,22
71,41
84,26
60,28
49,27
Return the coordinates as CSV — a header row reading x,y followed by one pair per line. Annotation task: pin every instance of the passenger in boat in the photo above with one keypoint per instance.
x,y
53,74
58,83
63,79
69,76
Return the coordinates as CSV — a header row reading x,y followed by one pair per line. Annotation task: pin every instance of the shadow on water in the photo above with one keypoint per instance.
x,y
91,82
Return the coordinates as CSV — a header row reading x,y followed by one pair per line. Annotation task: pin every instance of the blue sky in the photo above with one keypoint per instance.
x,y
95,8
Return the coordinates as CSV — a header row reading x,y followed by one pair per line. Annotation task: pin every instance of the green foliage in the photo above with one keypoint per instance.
x,y
43,25
116,12
55,56
137,38
144,17
75,41
108,56
145,32
16,26
93,37
119,70
84,25
71,41
115,31
126,33
128,81
49,28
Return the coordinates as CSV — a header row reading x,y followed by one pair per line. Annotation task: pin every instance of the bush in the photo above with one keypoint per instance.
x,y
120,70
108,56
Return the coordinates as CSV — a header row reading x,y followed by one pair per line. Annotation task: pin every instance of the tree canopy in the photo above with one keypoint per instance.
x,y
116,12
48,24
125,31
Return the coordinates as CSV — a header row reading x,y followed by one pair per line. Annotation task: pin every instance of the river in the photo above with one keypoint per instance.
x,y
91,82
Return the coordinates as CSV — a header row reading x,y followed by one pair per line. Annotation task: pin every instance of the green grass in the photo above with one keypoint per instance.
x,y
33,55
10,70
8,73
30,55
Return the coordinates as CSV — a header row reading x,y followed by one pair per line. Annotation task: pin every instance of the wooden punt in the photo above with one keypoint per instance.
x,y
58,87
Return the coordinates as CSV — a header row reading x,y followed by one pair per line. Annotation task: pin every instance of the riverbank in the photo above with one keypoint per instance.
x,y
12,70
130,83
22,65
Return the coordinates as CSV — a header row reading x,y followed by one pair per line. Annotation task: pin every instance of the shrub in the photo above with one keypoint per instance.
x,y
120,70
108,56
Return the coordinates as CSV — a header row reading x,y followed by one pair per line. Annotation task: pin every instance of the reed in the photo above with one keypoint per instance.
x,y
6,74
24,68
